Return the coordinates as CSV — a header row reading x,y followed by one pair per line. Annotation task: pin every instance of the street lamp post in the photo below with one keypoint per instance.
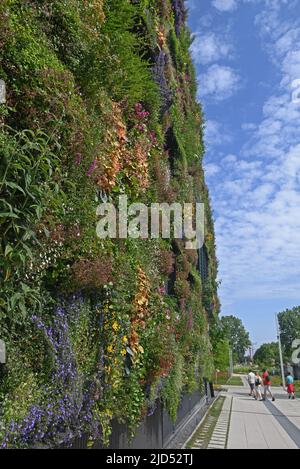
x,y
280,351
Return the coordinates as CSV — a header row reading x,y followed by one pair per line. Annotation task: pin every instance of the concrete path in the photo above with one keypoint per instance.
x,y
263,425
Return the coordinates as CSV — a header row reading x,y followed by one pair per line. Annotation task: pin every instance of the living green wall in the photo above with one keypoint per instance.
x,y
101,101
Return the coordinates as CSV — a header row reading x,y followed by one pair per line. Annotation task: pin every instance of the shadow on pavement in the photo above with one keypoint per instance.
x,y
287,425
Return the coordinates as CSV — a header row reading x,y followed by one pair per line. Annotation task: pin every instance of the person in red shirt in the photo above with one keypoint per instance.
x,y
289,381
267,385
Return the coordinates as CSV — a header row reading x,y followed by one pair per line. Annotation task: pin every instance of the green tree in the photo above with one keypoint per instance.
x,y
267,354
289,322
220,344
221,355
237,335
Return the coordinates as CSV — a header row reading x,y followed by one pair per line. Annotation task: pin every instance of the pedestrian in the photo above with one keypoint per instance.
x,y
289,381
267,385
258,383
251,381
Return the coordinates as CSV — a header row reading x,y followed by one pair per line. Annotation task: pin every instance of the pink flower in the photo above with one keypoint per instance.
x,y
138,107
140,127
92,168
140,113
78,158
152,137
162,290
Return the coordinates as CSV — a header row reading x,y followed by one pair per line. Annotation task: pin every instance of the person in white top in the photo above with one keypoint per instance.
x,y
258,383
251,381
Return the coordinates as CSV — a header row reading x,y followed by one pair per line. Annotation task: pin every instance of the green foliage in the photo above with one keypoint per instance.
x,y
120,52
237,335
29,188
289,322
172,390
267,355
84,336
24,393
221,355
84,123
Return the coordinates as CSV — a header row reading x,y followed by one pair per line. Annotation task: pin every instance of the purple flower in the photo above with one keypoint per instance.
x,y
65,409
92,168
138,108
162,290
179,14
160,78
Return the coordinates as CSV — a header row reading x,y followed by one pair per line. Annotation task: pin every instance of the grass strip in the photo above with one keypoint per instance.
x,y
206,428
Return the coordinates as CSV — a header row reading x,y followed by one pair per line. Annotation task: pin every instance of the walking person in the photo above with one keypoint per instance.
x,y
251,381
267,385
258,383
289,381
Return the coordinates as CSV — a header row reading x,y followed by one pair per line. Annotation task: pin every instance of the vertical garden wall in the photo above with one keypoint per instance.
x,y
101,101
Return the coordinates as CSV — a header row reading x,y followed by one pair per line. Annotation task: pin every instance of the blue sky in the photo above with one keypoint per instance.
x,y
247,56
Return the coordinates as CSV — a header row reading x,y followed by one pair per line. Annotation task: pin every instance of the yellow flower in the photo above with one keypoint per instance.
x,y
115,326
110,349
125,340
123,352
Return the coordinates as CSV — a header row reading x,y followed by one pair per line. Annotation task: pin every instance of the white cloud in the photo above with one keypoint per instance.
x,y
229,159
256,195
286,41
216,134
219,82
209,48
291,65
191,4
211,169
249,126
224,5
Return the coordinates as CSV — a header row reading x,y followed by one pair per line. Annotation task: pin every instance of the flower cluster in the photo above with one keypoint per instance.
x,y
65,409
140,113
114,336
92,273
179,14
140,305
162,290
127,152
140,118
166,261
159,72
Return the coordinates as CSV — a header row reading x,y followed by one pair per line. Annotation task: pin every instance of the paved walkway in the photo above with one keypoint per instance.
x,y
262,425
